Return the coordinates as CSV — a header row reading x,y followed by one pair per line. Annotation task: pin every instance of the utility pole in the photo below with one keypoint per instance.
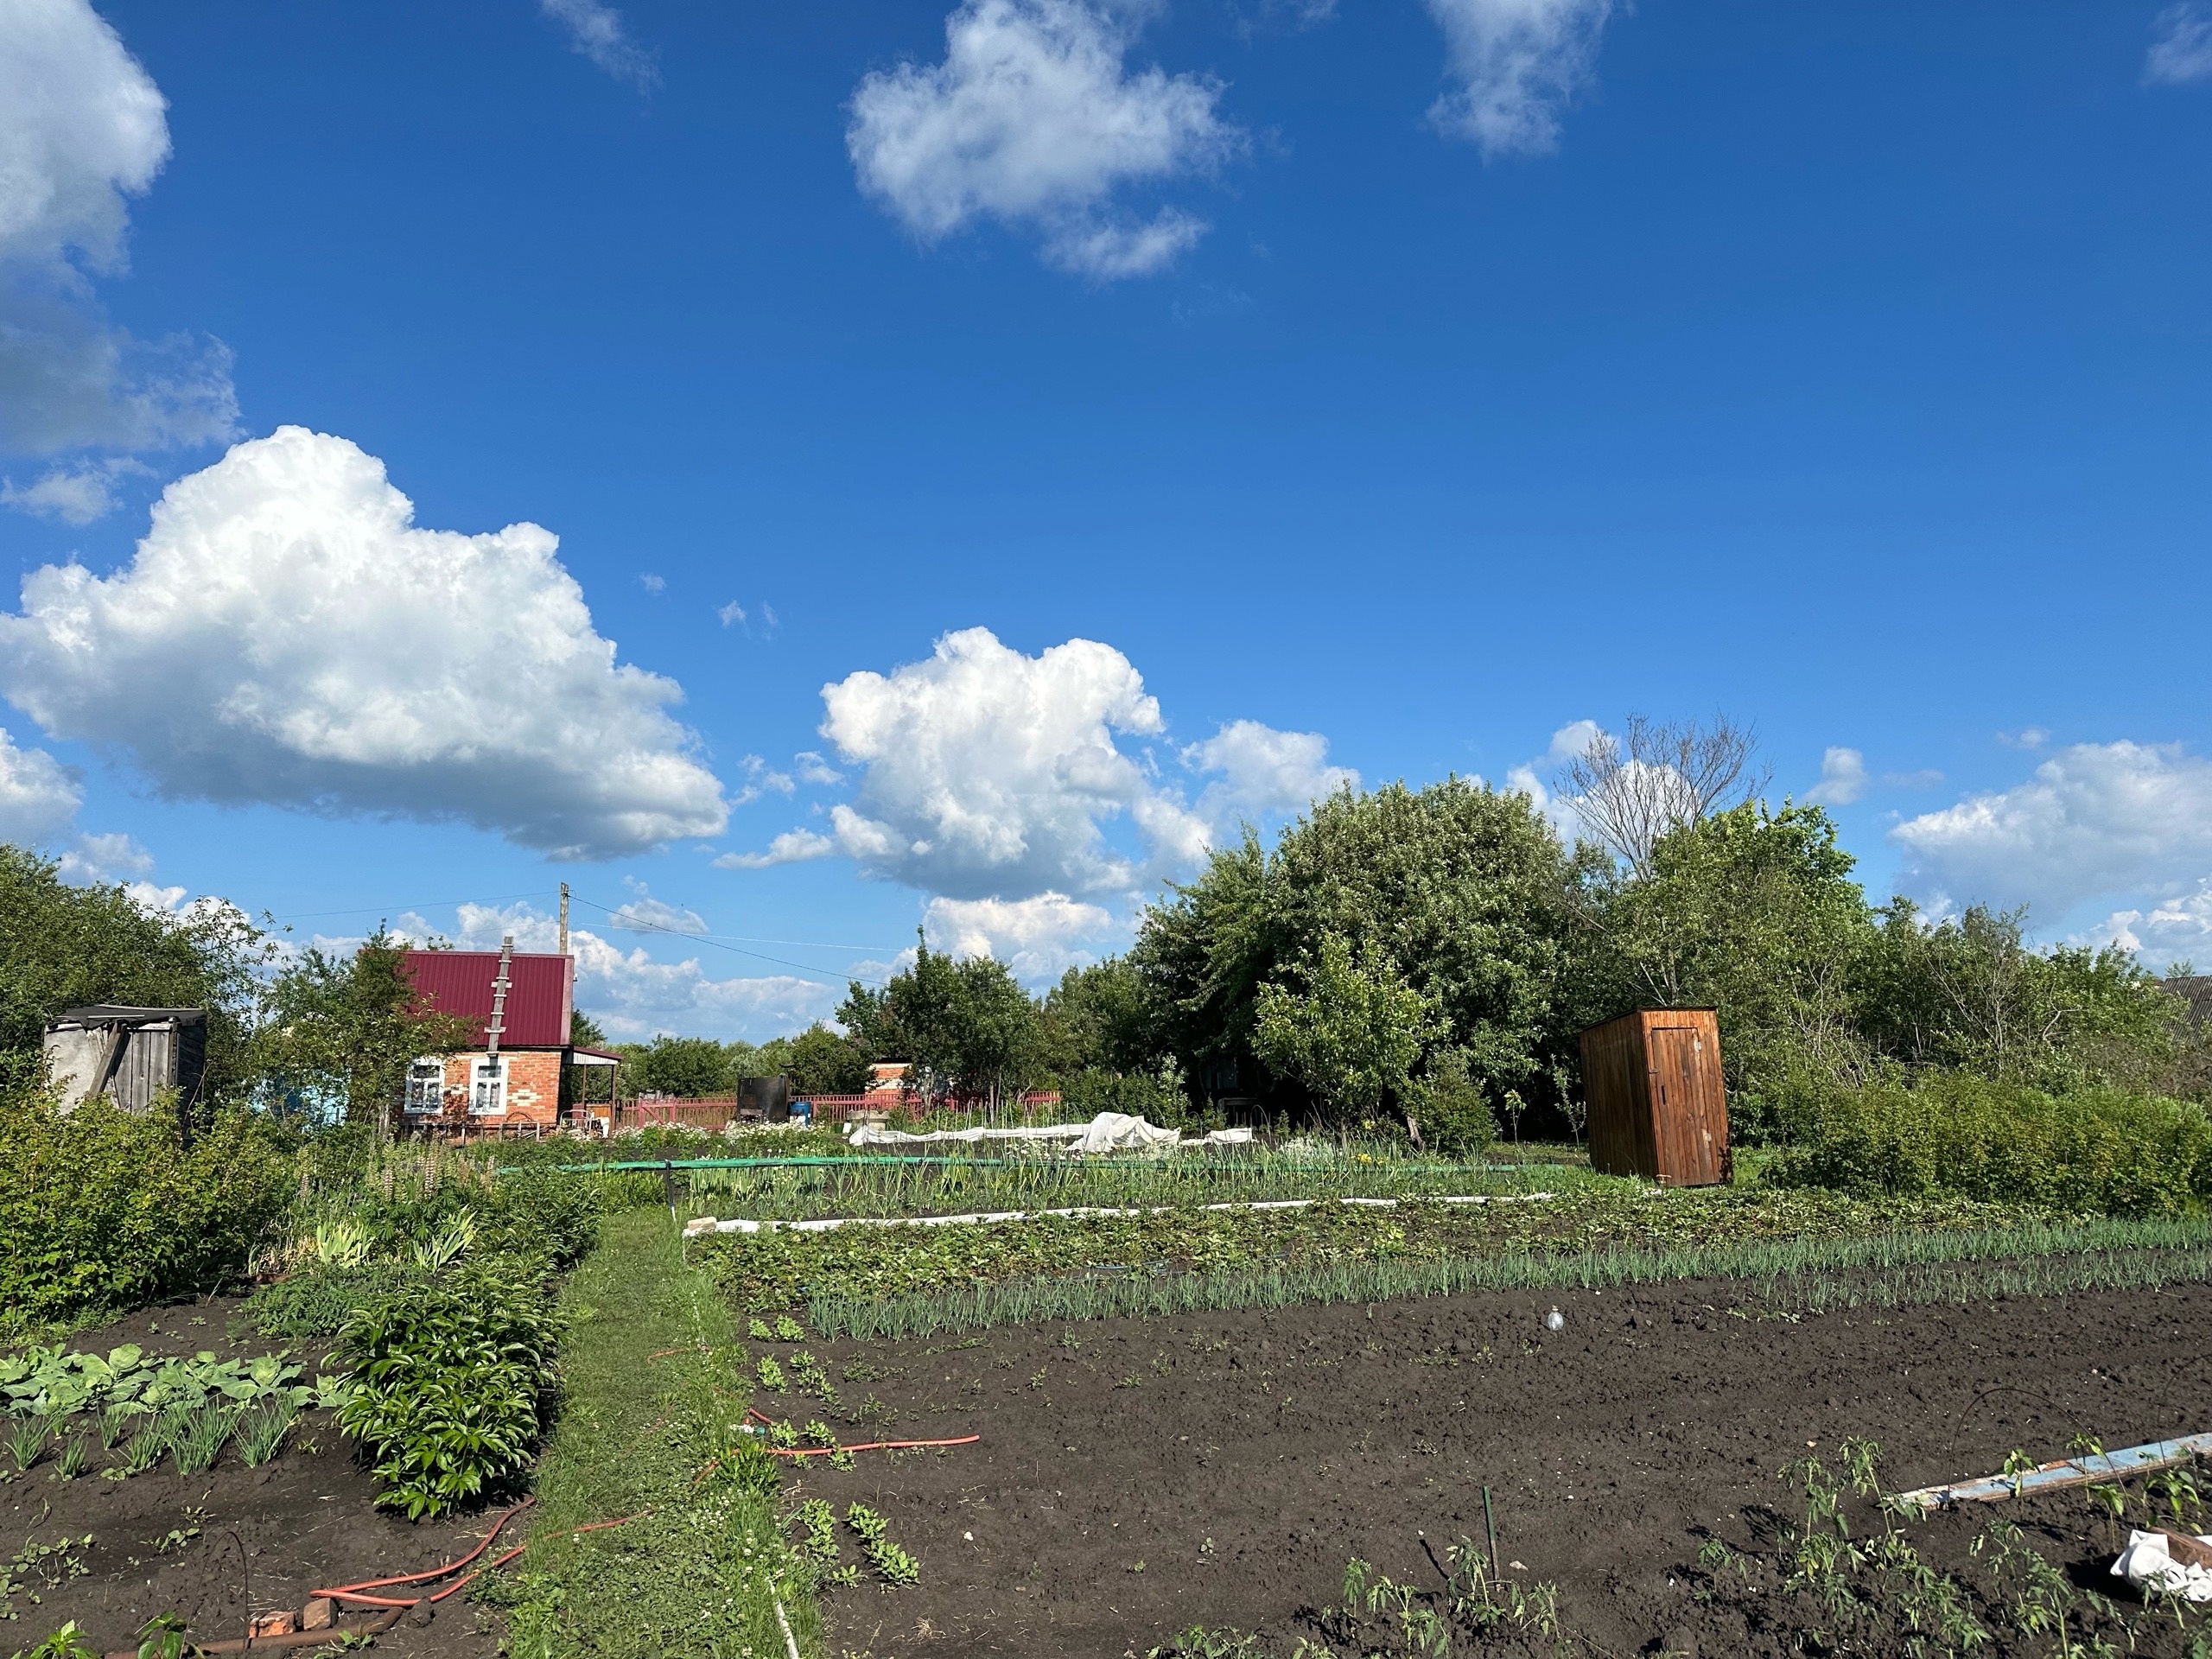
x,y
564,918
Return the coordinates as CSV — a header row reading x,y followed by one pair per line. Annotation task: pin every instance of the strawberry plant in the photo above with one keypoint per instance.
x,y
891,1564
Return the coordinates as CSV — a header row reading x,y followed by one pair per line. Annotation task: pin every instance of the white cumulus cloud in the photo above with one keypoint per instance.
x,y
596,30
643,913
1517,63
2095,819
792,847
987,773
2179,927
1263,770
76,494
2180,45
1034,118
1038,938
107,858
83,128
1843,778
287,634
39,796
1568,742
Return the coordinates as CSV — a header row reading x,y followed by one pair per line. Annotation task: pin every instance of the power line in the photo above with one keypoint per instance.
x,y
632,923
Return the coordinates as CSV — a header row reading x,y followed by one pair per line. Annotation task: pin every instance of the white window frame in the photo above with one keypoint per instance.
x,y
479,1079
415,1106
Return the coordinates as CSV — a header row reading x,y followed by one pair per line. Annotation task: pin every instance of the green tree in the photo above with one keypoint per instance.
x,y
1352,1034
63,946
1100,1017
963,1027
342,1028
820,1061
690,1068
1970,992
1753,913
1464,888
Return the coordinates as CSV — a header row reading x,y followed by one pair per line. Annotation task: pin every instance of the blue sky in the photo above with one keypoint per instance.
x,y
1377,388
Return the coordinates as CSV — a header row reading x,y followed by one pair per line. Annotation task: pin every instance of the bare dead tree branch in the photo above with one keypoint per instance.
x,y
1666,775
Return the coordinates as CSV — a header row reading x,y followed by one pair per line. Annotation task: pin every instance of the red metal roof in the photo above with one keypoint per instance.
x,y
540,993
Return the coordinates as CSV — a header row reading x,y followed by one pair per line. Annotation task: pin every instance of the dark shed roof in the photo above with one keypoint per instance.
x,y
540,991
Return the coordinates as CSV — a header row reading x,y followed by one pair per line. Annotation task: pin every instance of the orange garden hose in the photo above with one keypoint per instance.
x,y
353,1591
359,1591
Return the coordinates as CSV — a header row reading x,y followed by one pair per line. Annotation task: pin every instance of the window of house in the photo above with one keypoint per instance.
x,y
487,1087
426,1086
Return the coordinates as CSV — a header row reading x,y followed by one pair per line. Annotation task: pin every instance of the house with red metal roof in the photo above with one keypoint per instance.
x,y
519,1003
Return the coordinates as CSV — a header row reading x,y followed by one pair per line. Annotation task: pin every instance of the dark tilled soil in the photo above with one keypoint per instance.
x,y
1138,1478
302,1521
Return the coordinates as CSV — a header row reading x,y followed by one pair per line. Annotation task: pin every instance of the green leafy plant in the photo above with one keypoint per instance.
x,y
448,1385
759,1330
110,1208
71,1463
450,1243
2177,1489
27,1441
788,1329
891,1564
163,1637
37,1566
199,1439
68,1643
144,1449
813,1379
2088,1150
263,1429
819,1523
770,1374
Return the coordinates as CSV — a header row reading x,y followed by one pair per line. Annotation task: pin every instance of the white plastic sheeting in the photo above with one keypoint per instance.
x,y
700,1226
1107,1132
2148,1564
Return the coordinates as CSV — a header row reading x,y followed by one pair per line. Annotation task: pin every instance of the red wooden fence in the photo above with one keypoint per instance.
x,y
719,1111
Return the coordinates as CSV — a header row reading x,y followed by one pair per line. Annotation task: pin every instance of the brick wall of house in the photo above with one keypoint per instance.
x,y
533,1085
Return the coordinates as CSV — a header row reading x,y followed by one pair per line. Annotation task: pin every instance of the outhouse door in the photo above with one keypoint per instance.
x,y
1687,1115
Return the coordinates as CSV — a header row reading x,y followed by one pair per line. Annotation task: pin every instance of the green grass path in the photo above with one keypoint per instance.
x,y
701,1571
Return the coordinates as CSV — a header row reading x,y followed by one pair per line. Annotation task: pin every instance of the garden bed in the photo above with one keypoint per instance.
x,y
1137,1478
214,1546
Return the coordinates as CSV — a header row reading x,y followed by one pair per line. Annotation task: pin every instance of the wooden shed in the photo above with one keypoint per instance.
x,y
131,1055
1657,1107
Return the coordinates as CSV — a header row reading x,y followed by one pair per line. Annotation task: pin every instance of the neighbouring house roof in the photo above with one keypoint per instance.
x,y
2196,990
540,992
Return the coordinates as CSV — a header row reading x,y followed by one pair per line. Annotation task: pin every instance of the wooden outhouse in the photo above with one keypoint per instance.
x,y
1657,1107
131,1055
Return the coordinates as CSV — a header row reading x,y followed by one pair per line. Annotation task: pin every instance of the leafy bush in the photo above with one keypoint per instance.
x,y
1455,1119
451,1382
2092,1150
107,1209
1158,1096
